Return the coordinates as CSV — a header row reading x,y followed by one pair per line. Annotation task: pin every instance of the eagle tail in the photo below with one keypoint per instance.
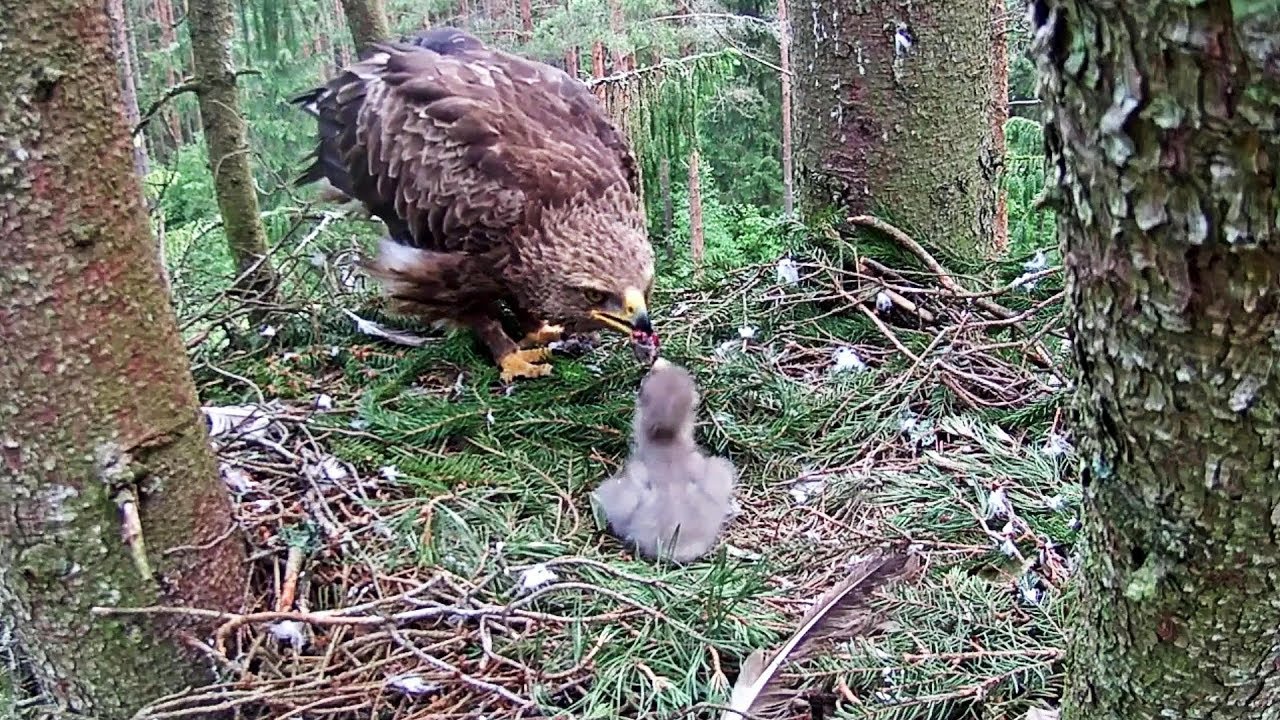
x,y
410,274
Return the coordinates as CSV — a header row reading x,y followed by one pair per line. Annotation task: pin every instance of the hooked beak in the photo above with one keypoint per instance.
x,y
634,317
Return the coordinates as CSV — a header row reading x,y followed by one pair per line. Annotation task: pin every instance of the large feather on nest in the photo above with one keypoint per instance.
x,y
843,612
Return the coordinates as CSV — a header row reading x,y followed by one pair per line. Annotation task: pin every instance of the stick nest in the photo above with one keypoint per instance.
x,y
423,545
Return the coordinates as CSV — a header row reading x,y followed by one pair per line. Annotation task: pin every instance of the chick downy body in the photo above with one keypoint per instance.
x,y
669,499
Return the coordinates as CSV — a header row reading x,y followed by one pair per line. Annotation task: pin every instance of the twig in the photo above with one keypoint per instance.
x,y
945,277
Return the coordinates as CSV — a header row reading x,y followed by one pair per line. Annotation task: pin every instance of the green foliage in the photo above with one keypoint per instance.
x,y
734,235
1030,228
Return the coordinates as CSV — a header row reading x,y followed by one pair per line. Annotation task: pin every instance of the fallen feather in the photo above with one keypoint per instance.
x,y
329,468
1037,263
804,490
846,358
998,504
237,480
1056,445
411,685
324,402
884,303
389,473
369,327
747,332
246,420
290,631
535,576
788,272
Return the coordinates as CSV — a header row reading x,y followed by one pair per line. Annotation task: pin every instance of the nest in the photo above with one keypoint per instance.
x,y
357,613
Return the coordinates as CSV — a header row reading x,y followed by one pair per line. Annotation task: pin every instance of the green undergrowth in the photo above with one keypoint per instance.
x,y
506,472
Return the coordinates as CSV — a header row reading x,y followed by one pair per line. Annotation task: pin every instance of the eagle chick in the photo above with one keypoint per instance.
x,y
503,184
669,499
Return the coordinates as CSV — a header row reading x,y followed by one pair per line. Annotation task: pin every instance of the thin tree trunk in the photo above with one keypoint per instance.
x,y
893,113
526,19
784,57
367,20
212,25
571,62
128,90
668,206
623,61
341,55
696,241
999,116
169,40
597,68
100,422
597,59
1162,140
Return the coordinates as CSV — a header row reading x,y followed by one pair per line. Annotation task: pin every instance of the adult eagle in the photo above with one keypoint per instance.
x,y
501,181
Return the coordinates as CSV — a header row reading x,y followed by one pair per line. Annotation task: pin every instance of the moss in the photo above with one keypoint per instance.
x,y
1169,218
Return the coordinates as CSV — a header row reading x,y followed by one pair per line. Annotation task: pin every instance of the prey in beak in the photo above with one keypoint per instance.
x,y
632,319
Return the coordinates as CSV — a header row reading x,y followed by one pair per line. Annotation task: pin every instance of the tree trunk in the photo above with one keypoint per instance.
x,y
623,61
526,19
597,68
571,61
367,20
212,25
341,55
100,417
999,116
784,58
892,113
696,240
128,90
169,40
1162,137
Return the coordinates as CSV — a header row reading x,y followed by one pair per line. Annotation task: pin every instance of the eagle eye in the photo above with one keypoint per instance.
x,y
595,297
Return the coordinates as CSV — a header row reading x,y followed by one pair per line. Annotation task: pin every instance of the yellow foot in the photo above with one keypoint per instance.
x,y
542,336
521,364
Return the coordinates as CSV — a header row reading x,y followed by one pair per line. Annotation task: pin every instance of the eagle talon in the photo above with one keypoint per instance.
x,y
542,336
524,364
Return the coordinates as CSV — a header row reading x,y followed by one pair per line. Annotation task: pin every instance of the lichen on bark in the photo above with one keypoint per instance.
x,y
1162,139
893,105
98,397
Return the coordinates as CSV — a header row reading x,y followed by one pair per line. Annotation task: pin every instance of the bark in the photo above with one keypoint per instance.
x,y
212,25
696,242
597,59
571,61
120,46
99,411
999,116
169,40
367,20
784,57
1162,137
341,55
526,19
892,109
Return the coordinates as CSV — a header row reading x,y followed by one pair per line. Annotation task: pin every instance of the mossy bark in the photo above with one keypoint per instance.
x,y
367,20
212,26
1163,135
98,404
893,115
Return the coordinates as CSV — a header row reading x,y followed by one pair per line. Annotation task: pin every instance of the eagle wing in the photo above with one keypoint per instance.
x,y
451,142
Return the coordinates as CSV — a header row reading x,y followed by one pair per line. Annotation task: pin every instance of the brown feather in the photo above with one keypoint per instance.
x,y
842,612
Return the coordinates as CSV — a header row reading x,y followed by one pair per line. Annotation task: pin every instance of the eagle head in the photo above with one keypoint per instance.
x,y
589,267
